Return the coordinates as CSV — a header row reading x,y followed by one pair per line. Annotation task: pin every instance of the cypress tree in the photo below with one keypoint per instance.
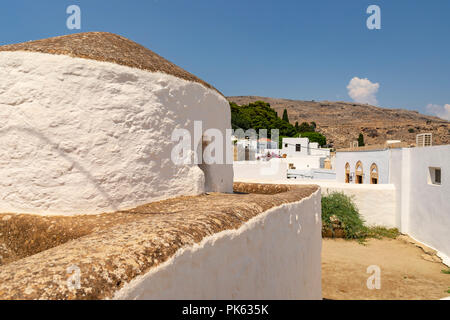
x,y
361,140
285,116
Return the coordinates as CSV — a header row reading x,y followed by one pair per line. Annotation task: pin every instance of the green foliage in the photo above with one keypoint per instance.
x,y
411,130
315,137
382,232
361,140
285,116
259,115
446,271
338,205
341,206
306,127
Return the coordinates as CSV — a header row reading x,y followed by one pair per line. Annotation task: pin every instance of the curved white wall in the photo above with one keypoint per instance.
x,y
276,255
83,136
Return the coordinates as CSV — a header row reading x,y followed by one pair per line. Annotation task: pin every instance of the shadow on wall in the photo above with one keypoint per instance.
x,y
64,155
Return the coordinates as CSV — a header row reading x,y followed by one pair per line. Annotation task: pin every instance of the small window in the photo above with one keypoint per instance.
x,y
435,176
285,145
298,147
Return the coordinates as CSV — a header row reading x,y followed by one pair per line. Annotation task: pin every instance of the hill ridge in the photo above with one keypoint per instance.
x,y
341,121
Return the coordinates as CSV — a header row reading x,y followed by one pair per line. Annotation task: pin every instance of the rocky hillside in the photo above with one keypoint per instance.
x,y
341,122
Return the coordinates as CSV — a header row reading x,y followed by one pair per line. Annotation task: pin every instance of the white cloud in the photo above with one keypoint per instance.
x,y
439,111
363,90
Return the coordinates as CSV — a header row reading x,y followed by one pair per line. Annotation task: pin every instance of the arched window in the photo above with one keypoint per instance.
x,y
347,173
374,177
359,173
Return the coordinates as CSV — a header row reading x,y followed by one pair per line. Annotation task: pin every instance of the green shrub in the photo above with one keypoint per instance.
x,y
315,137
338,206
342,207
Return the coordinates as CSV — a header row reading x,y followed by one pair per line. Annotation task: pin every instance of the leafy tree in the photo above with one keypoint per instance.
x,y
259,115
305,127
315,137
296,126
285,116
361,140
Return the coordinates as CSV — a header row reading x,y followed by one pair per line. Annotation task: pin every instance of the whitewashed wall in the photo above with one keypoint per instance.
x,y
397,174
304,162
425,208
275,169
313,174
84,136
289,150
276,255
376,203
404,199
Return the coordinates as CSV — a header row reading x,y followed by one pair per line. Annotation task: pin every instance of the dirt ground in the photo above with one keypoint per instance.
x,y
407,271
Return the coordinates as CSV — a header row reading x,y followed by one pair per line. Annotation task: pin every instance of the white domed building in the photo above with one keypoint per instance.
x,y
86,122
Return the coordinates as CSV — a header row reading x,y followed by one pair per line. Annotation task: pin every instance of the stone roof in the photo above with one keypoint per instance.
x,y
109,47
112,249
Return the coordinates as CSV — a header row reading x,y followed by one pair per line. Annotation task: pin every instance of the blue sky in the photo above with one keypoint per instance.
x,y
288,49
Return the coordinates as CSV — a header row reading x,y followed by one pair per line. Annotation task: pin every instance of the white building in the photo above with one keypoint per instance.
x,y
295,147
363,167
87,132
302,156
420,181
298,147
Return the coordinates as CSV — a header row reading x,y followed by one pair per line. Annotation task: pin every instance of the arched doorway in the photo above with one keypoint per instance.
x,y
347,173
374,177
359,173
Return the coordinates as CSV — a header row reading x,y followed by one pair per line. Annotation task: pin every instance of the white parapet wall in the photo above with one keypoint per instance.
x,y
275,169
84,136
376,203
275,255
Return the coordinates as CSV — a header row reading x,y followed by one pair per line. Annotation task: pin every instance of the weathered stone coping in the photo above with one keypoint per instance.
x,y
106,47
111,253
